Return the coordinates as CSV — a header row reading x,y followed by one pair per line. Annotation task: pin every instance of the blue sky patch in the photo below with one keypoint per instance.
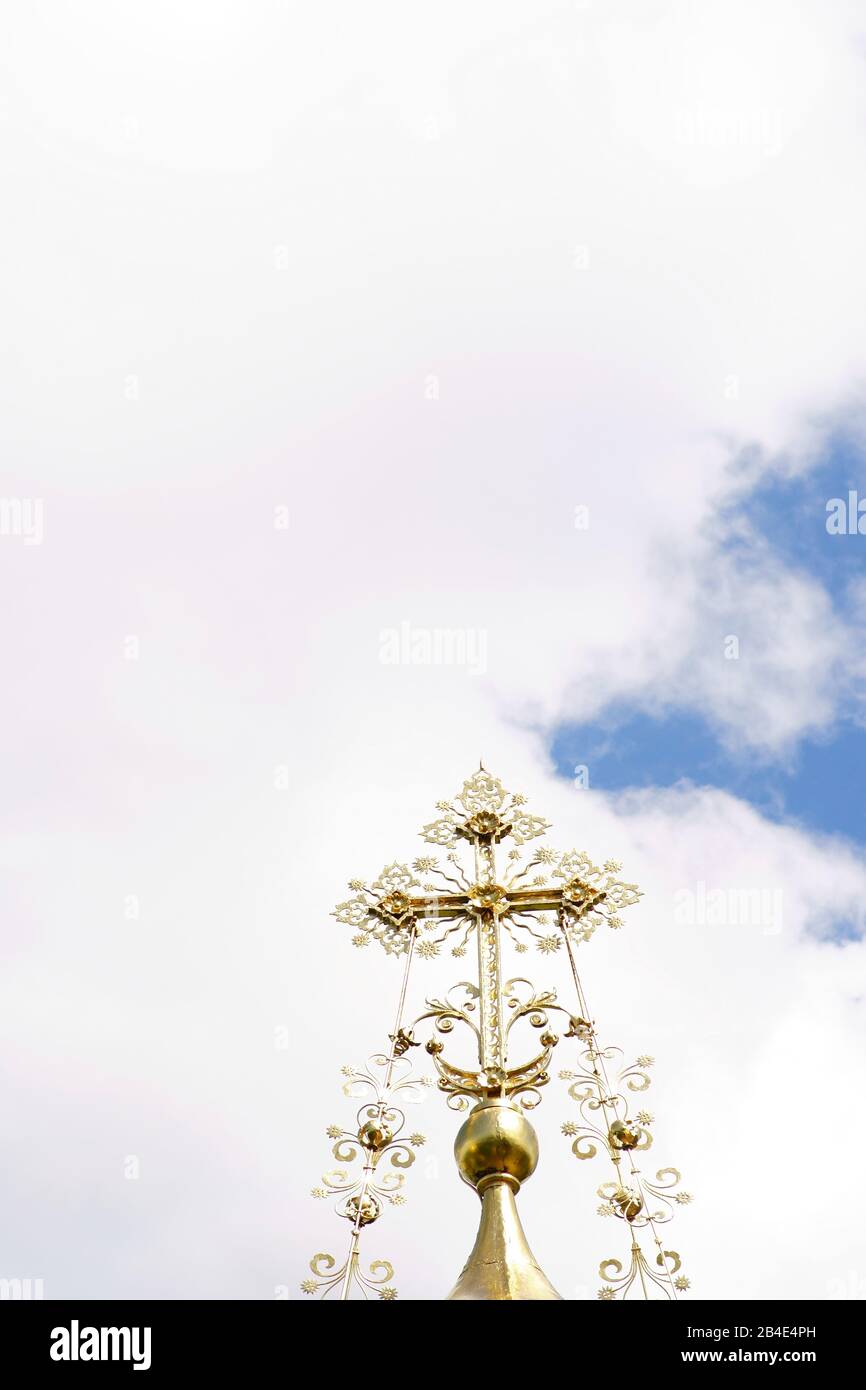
x,y
791,516
823,787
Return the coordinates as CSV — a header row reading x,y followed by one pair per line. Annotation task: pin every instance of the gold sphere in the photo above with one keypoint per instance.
x,y
370,1210
629,1202
375,1135
496,1139
621,1137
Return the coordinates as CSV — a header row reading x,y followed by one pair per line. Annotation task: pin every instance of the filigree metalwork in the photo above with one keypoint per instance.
x,y
375,1141
481,816
605,1119
521,1002
607,1126
618,1281
397,907
328,1277
384,1155
524,894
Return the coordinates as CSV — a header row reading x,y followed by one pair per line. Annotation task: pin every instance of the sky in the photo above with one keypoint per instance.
x,y
526,338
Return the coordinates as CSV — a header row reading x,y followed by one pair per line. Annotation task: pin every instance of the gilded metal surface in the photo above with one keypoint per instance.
x,y
376,1156
600,1087
496,1150
497,1140
521,900
501,1265
516,900
520,896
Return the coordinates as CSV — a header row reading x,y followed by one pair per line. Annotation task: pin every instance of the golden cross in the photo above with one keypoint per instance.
x,y
399,911
497,891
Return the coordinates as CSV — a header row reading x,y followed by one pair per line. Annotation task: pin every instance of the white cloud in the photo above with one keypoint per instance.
x,y
625,246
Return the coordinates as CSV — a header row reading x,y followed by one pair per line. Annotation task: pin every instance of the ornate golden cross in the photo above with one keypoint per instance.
x,y
538,894
397,908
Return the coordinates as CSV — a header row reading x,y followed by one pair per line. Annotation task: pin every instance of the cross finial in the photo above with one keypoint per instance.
x,y
532,895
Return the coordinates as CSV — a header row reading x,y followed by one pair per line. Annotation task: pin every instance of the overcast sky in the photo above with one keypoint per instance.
x,y
539,326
